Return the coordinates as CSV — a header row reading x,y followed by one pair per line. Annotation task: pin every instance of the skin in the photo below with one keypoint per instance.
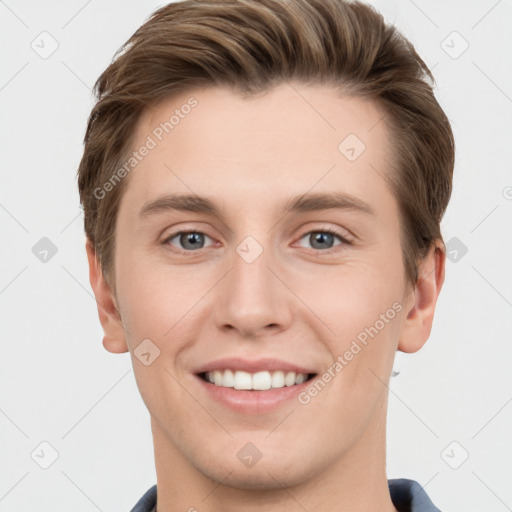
x,y
298,301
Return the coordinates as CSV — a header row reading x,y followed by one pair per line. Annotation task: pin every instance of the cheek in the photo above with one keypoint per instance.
x,y
362,308
158,305
354,295
158,301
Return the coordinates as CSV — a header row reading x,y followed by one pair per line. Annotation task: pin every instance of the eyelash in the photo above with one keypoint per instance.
x,y
336,249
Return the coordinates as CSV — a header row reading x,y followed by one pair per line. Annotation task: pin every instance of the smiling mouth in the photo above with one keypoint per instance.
x,y
258,381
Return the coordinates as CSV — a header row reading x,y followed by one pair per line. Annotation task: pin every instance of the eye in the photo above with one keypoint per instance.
x,y
320,240
323,239
189,240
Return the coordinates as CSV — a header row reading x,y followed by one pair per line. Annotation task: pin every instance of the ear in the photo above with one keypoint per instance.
x,y
114,338
422,300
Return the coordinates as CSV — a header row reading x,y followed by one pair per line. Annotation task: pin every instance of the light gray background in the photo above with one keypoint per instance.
x,y
60,386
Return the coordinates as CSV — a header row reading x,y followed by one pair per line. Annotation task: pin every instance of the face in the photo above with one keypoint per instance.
x,y
285,258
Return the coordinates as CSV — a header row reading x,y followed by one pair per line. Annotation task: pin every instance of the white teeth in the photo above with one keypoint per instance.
x,y
300,378
228,379
278,379
243,380
217,378
259,381
289,380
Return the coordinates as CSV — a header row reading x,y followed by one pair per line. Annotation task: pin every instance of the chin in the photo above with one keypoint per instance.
x,y
268,473
268,478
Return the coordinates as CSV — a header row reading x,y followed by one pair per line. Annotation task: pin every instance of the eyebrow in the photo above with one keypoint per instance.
x,y
299,204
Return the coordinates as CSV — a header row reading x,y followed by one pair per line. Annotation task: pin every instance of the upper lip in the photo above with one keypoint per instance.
x,y
258,365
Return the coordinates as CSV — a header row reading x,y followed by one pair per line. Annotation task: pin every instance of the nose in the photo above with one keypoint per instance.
x,y
253,298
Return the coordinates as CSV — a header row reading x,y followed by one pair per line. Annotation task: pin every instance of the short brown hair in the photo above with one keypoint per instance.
x,y
252,45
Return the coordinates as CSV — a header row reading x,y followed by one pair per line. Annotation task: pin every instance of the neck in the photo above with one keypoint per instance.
x,y
355,483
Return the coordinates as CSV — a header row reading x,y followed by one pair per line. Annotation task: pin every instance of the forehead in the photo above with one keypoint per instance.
x,y
292,139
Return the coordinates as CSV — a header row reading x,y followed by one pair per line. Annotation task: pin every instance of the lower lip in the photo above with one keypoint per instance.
x,y
253,402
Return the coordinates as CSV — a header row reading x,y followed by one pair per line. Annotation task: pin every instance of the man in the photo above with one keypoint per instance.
x,y
263,183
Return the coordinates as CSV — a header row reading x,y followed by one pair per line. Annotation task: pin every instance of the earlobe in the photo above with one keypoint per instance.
x,y
114,338
422,301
